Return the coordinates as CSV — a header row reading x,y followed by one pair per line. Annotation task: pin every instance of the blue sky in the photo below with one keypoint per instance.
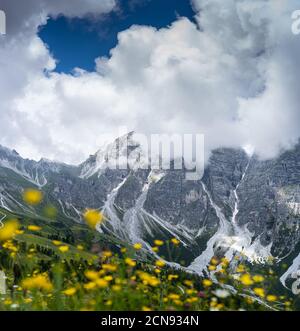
x,y
78,42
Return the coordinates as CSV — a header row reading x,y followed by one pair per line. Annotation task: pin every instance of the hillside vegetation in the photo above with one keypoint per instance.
x,y
52,265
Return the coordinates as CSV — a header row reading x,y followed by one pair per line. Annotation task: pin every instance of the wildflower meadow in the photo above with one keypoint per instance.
x,y
46,272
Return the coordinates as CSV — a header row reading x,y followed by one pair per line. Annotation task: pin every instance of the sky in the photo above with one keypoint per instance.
x,y
78,42
71,73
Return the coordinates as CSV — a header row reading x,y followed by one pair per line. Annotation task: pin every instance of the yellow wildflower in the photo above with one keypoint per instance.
x,y
91,274
89,286
171,277
108,303
102,272
80,247
108,278
109,267
220,306
160,263
102,283
70,291
158,242
249,300
38,282
240,268
174,296
190,291
56,242
178,302
225,261
213,302
246,280
116,288
64,248
145,308
271,298
188,283
175,241
9,230
259,291
34,228
7,302
32,197
258,278
120,281
137,246
214,261
148,279
93,217
130,262
107,254
207,283
192,300
155,249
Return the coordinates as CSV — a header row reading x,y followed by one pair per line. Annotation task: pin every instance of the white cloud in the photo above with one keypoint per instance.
x,y
23,61
235,80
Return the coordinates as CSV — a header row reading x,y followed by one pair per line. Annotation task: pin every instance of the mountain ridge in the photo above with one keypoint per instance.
x,y
242,207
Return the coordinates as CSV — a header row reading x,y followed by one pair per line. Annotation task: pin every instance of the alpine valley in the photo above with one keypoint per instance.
x,y
242,208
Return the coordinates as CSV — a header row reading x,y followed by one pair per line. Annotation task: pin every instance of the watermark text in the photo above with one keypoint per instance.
x,y
157,152
296,22
2,22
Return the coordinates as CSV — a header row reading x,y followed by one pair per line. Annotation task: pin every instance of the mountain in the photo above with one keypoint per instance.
x,y
242,208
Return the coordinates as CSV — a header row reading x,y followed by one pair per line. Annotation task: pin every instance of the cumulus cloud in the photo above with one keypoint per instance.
x,y
258,34
233,77
26,61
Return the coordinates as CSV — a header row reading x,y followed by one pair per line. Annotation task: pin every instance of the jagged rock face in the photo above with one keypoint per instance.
x,y
35,172
131,190
225,170
269,198
241,204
